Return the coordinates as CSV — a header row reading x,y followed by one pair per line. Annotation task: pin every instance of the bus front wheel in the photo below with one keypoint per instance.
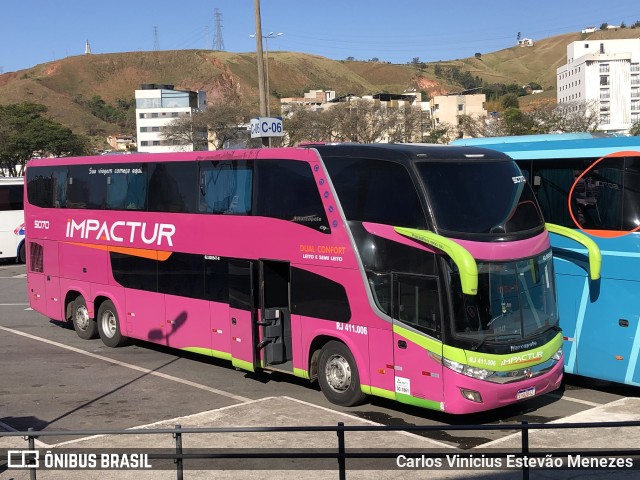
x,y
83,324
338,375
22,254
109,325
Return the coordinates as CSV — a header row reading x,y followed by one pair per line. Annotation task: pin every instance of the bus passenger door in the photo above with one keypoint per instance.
x,y
242,314
417,324
274,347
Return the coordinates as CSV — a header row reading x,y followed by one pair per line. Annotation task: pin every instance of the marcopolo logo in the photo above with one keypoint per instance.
x,y
121,232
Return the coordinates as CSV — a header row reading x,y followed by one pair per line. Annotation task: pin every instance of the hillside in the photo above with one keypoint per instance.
x,y
537,63
115,76
63,84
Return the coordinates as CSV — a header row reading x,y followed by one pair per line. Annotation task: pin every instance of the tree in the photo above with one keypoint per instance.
x,y
604,26
566,117
25,133
442,133
635,129
224,120
510,100
478,55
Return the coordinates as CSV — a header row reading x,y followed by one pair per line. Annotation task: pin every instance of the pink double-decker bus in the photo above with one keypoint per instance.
x,y
415,273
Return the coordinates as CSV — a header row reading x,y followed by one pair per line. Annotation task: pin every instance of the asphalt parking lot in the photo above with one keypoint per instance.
x,y
53,380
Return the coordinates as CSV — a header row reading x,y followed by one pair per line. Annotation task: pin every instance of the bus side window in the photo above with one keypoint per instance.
x,y
40,186
417,303
631,194
127,187
60,187
552,183
225,188
287,190
173,187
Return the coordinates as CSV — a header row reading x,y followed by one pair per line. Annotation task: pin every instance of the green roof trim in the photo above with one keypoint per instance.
x,y
460,255
595,256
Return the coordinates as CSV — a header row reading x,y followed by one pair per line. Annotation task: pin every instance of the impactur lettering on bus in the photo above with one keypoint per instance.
x,y
523,358
120,231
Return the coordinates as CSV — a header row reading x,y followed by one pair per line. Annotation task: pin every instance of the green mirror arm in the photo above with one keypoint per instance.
x,y
595,256
463,259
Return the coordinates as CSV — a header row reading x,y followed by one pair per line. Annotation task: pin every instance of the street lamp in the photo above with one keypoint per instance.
x,y
266,59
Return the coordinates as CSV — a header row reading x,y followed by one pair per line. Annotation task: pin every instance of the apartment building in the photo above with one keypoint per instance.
x,y
447,108
605,73
158,105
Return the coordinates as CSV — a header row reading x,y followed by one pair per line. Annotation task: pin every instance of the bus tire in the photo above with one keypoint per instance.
x,y
22,254
338,375
109,325
83,324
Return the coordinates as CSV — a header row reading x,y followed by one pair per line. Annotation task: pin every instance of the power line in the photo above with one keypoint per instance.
x,y
218,41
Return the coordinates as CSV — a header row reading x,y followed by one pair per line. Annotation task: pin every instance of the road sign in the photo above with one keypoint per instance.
x,y
266,127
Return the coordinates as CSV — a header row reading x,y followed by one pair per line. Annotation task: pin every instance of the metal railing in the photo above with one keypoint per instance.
x,y
340,453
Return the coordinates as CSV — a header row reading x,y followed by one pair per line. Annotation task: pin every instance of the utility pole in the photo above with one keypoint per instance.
x,y
261,78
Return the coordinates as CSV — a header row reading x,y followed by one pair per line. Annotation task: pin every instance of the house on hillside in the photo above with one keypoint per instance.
x,y
311,100
121,142
605,73
589,30
525,42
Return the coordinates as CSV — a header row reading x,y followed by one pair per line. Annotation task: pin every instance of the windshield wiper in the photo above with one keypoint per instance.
x,y
495,336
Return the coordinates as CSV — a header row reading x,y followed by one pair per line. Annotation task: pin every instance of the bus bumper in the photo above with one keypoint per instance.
x,y
495,395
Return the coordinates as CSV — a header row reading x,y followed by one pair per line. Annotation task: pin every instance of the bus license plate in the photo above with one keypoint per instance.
x,y
525,393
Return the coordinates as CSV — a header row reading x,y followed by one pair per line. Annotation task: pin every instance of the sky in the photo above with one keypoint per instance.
x,y
40,31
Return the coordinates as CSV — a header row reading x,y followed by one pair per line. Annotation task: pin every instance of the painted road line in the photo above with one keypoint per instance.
x,y
14,304
574,400
130,366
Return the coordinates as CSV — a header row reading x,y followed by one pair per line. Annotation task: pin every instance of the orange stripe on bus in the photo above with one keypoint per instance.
x,y
610,233
134,252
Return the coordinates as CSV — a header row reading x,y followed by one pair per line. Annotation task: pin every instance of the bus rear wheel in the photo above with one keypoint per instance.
x,y
338,375
83,324
109,325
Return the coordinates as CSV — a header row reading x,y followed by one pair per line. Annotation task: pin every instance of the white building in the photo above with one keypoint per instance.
x,y
605,73
159,105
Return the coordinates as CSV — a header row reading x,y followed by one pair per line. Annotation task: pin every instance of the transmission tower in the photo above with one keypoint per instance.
x,y
156,43
218,41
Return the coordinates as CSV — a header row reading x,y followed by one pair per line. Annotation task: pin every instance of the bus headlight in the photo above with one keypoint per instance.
x,y
469,371
558,355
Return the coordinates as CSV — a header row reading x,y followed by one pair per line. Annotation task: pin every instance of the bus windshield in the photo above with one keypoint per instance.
x,y
480,197
515,301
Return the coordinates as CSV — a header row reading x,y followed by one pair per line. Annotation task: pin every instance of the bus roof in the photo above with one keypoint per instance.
x,y
550,146
396,152
406,152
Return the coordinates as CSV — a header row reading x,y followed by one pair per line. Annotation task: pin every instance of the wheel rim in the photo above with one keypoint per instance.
x,y
338,373
82,318
109,323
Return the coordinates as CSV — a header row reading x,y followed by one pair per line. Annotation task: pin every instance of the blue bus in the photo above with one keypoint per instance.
x,y
600,319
